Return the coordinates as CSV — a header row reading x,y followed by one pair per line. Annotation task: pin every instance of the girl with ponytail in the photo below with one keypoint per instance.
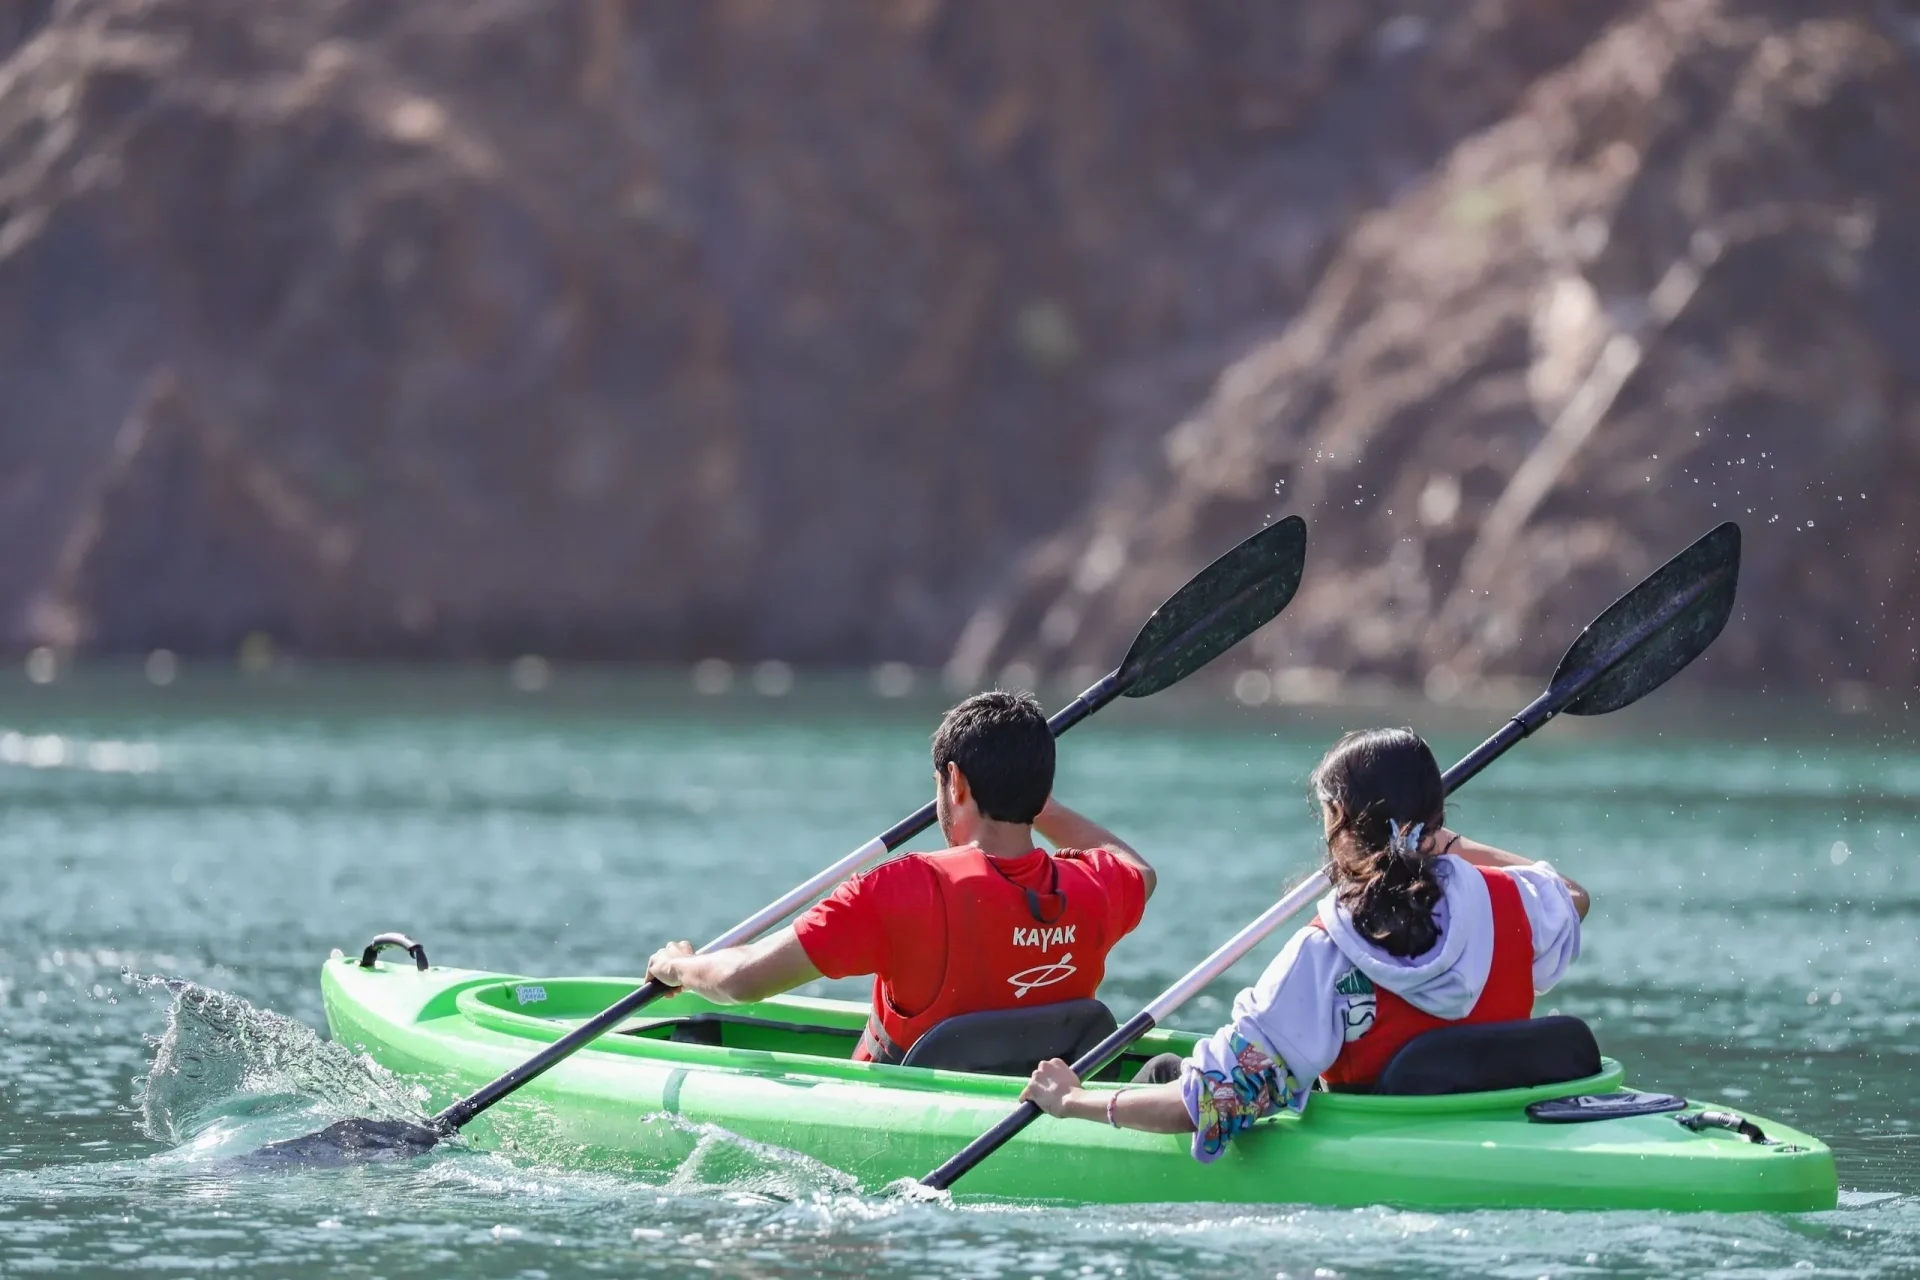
x,y
1423,928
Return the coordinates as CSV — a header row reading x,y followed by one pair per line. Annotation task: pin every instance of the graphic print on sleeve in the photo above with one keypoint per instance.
x,y
1227,1098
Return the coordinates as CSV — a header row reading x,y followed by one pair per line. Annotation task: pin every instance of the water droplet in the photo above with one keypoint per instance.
x,y
1439,501
1018,675
256,653
773,679
892,679
530,673
43,664
162,667
1840,852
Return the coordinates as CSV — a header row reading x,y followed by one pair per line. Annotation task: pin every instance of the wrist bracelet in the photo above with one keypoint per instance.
x,y
1112,1098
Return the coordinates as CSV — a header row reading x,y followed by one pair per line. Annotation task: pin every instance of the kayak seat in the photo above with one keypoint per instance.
x,y
1012,1042
1480,1056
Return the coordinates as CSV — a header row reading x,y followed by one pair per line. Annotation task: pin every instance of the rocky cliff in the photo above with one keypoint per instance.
x,y
1675,286
941,331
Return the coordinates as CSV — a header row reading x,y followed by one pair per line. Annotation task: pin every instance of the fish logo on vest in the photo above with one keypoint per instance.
x,y
1045,937
1042,975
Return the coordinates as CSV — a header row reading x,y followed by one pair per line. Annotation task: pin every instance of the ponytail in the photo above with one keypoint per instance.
x,y
1386,785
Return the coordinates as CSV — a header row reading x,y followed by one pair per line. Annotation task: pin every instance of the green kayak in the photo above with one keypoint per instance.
x,y
780,1073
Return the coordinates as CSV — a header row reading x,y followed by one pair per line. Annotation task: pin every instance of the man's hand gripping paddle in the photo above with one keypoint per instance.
x,y
1637,645
1227,601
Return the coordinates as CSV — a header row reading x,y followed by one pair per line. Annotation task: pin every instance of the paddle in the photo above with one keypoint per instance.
x,y
1637,645
1227,601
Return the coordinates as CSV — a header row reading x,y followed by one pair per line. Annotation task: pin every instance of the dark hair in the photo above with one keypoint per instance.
x,y
1002,744
1379,777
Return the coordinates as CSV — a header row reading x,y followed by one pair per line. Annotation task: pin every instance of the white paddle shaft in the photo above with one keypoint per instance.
x,y
1229,952
800,895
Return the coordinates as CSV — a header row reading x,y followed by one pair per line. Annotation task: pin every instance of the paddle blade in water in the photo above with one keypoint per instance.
x,y
1227,601
1653,631
354,1141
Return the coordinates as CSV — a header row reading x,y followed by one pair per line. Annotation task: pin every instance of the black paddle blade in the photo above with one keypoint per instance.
x,y
345,1142
1646,636
1225,603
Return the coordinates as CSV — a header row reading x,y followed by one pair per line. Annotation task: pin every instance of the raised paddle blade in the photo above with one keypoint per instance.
x,y
1227,601
1646,636
348,1142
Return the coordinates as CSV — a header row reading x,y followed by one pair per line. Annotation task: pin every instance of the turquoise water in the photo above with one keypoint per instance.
x,y
1756,920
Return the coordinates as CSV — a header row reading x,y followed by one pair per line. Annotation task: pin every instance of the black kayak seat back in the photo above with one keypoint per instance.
x,y
1012,1042
1477,1057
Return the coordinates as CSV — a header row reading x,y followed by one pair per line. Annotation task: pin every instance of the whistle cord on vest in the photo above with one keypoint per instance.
x,y
1033,897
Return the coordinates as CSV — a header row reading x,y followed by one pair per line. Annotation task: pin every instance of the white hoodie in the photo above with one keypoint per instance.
x,y
1290,1025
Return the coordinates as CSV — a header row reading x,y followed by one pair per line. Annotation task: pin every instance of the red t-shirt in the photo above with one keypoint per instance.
x,y
888,922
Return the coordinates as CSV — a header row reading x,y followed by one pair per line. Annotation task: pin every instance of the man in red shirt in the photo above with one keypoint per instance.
x,y
991,923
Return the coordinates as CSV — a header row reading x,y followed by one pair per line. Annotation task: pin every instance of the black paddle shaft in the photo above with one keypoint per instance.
x,y
1643,640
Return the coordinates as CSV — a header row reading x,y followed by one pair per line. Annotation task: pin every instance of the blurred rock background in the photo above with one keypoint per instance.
x,y
957,333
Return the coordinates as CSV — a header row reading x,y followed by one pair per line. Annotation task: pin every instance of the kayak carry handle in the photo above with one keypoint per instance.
x,y
1726,1120
398,941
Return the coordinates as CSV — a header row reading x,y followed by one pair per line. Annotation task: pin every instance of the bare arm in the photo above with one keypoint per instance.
x,y
1069,830
1151,1108
736,975
1481,855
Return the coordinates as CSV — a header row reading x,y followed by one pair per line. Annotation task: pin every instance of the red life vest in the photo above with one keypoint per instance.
x,y
1507,997
1007,947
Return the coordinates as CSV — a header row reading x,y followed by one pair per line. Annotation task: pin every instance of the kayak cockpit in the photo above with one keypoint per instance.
x,y
743,1031
827,1031
820,1035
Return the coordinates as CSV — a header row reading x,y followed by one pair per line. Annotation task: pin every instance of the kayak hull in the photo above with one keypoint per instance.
x,y
644,1103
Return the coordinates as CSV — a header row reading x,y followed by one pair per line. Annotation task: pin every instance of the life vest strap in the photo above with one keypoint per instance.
x,y
879,1046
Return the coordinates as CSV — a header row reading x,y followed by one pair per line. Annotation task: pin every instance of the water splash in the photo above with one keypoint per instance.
x,y
722,1160
225,1073
914,1191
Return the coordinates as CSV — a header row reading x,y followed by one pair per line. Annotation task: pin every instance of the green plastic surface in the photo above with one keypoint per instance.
x,y
634,1100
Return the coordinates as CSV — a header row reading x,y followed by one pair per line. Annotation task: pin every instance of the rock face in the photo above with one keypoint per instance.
x,y
837,332
1676,286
